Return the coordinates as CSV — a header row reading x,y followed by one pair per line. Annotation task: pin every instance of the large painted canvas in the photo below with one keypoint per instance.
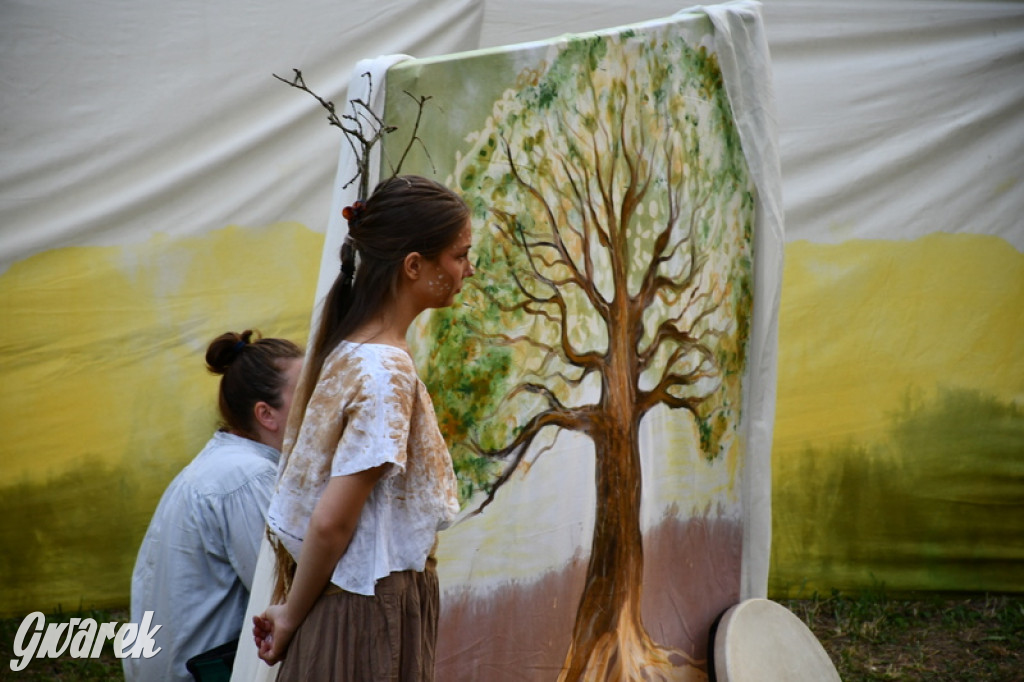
x,y
590,379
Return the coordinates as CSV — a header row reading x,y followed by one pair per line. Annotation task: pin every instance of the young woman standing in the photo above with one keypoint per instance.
x,y
366,480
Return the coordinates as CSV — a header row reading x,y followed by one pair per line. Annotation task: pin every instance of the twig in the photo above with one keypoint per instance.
x,y
363,128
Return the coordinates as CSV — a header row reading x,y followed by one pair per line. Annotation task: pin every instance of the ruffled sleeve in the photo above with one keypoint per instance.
x,y
377,420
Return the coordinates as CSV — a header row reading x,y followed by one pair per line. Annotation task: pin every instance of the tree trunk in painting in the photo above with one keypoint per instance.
x,y
608,635
609,640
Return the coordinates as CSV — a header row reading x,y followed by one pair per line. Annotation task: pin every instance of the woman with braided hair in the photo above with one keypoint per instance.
x,y
196,564
366,480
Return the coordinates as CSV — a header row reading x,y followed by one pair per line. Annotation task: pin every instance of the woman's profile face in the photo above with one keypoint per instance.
x,y
443,275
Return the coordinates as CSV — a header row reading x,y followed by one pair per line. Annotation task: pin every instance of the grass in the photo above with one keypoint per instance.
x,y
870,636
874,637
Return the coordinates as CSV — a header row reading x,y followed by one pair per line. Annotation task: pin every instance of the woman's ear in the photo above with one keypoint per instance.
x,y
412,265
268,417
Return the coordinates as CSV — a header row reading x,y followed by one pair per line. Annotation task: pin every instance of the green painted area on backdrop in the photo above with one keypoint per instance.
x,y
938,504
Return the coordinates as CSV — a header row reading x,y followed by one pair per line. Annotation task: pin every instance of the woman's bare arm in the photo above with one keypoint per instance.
x,y
331,527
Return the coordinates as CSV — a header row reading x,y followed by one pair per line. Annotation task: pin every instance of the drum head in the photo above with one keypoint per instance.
x,y
759,640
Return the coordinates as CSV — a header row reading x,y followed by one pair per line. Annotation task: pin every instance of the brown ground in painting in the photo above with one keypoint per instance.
x,y
521,631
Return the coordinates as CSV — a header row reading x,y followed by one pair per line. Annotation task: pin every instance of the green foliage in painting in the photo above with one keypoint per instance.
x,y
615,173
461,412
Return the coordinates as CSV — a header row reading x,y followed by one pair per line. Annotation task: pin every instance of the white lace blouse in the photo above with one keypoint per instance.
x,y
369,408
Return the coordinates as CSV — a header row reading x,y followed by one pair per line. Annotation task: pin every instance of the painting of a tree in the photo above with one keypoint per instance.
x,y
614,277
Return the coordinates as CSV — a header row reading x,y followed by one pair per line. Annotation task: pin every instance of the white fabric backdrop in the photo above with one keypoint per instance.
x,y
125,118
121,119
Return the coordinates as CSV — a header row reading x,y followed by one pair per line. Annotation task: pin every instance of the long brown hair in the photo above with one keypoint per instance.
x,y
404,214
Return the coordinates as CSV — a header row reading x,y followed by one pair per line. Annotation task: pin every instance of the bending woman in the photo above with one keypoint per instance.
x,y
366,480
195,567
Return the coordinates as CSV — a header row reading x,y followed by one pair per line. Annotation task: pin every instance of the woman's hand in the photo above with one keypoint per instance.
x,y
273,633
331,526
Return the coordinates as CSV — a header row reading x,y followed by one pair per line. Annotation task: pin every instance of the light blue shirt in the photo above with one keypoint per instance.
x,y
195,566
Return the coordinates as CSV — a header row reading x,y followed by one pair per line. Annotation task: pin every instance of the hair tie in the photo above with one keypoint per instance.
x,y
240,345
354,212
348,260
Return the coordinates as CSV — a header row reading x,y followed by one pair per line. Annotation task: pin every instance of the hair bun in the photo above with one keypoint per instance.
x,y
225,349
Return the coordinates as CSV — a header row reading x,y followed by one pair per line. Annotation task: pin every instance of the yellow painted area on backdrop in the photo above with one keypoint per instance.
x,y
106,396
103,347
863,322
897,455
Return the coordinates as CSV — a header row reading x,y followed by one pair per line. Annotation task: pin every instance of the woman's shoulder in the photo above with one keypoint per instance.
x,y
364,357
229,462
361,364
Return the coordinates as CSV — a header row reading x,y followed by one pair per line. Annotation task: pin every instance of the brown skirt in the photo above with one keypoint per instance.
x,y
391,636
